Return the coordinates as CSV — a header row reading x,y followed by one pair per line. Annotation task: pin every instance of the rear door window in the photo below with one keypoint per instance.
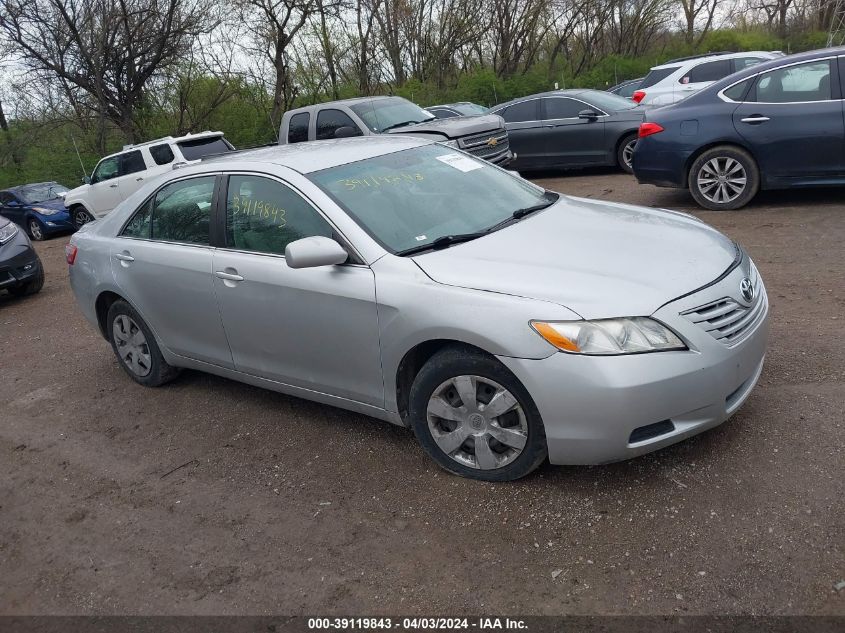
x,y
298,127
658,74
181,211
131,163
795,84
708,71
523,111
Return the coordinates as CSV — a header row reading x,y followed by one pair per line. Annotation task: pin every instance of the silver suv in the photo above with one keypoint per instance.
x,y
679,78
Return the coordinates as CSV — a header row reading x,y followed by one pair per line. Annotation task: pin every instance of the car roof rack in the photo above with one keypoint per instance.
x,y
685,59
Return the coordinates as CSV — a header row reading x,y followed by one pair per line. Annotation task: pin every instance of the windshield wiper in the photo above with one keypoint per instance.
x,y
550,198
443,242
400,124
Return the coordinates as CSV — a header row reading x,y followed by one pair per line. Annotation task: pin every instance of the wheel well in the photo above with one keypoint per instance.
x,y
413,361
621,138
704,148
101,306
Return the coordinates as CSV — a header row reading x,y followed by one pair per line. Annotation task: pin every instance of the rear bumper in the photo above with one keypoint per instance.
x,y
654,165
604,409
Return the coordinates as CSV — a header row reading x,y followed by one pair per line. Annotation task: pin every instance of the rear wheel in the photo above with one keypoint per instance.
x,y
35,231
724,178
135,347
474,418
625,153
80,216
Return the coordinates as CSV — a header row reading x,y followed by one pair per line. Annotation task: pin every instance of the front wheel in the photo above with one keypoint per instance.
x,y
724,178
81,216
35,230
625,153
136,348
474,418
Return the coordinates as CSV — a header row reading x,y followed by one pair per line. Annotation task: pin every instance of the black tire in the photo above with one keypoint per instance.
x,y
458,361
80,215
723,154
159,371
36,233
31,287
625,165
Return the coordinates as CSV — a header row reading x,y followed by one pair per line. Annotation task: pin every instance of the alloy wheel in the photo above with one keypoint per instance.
x,y
477,422
132,345
628,152
35,230
81,217
722,179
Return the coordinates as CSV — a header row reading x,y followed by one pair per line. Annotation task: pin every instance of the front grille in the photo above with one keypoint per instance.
x,y
479,144
729,321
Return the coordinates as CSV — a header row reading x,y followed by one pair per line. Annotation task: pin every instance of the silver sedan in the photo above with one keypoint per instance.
x,y
405,280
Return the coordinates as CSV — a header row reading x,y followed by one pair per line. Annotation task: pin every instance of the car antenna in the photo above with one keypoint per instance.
x,y
84,173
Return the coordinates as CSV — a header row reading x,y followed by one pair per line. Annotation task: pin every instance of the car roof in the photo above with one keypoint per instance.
x,y
452,105
350,101
314,156
698,59
190,136
568,92
20,188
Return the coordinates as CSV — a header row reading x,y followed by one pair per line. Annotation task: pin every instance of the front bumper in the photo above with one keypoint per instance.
x,y
58,223
19,262
604,409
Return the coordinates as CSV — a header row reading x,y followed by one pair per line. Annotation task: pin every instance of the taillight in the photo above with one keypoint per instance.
x,y
70,253
648,128
638,96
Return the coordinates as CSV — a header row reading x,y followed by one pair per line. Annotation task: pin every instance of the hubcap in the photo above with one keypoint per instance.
x,y
81,217
722,180
132,345
477,422
628,152
35,229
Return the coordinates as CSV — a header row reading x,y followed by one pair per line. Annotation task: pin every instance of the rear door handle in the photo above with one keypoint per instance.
x,y
222,274
124,257
113,186
139,179
755,119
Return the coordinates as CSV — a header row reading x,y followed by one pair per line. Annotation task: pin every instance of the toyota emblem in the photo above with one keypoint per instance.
x,y
746,289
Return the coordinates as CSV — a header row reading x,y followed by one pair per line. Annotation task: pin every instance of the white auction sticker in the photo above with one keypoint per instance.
x,y
459,161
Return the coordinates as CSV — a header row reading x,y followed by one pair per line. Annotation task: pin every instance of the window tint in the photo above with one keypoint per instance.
x,y
132,162
162,154
182,211
196,149
329,121
658,74
298,127
806,82
5,197
139,225
524,111
737,92
558,108
442,113
709,71
264,216
741,63
106,170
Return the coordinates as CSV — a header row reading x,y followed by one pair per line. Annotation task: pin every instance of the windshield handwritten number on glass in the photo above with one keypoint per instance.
x,y
263,209
379,181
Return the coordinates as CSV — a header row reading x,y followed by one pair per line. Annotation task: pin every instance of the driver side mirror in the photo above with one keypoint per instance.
x,y
311,252
590,115
346,131
86,180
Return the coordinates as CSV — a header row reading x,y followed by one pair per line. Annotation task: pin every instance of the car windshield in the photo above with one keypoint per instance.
x,y
201,147
41,192
393,112
409,199
469,109
607,101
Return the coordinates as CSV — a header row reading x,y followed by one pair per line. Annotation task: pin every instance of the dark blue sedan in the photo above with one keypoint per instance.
x,y
777,125
39,208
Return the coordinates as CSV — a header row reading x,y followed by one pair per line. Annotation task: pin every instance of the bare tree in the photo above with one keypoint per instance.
x,y
698,12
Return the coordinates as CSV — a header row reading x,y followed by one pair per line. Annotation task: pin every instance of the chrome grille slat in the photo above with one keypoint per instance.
x,y
477,144
721,308
726,319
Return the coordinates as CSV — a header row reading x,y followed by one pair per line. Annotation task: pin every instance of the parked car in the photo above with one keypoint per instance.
x,y
21,272
626,88
774,126
38,207
679,78
408,281
483,136
571,128
462,108
119,175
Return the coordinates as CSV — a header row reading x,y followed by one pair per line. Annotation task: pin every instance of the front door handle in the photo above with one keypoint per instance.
x,y
222,274
755,119
124,257
114,186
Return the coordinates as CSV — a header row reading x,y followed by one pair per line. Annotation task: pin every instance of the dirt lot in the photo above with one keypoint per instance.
x,y
284,506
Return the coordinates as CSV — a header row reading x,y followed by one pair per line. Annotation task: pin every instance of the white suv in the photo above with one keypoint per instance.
x,y
679,78
119,175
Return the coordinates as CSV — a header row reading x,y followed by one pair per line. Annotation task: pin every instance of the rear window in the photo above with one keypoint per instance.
x,y
658,74
198,148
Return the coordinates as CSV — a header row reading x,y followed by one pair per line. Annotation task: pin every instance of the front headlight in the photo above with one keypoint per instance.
x,y
45,210
628,335
8,232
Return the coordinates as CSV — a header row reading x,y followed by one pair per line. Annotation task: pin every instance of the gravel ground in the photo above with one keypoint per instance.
x,y
212,497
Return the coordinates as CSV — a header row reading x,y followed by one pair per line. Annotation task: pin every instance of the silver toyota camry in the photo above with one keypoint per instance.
x,y
405,280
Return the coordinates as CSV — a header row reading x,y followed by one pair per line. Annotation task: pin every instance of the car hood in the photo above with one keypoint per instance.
x,y
598,259
454,127
56,203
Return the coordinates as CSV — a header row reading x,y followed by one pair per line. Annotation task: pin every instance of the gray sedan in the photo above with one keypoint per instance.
x,y
571,128
414,283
